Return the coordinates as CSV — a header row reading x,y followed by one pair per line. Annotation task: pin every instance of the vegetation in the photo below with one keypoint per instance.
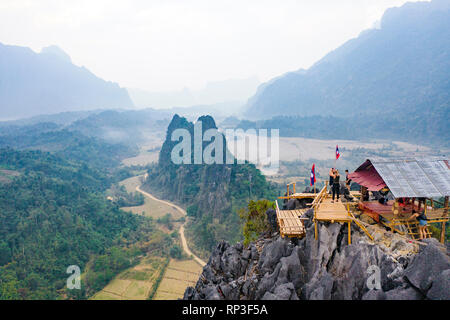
x,y
166,220
176,252
68,144
104,268
158,280
254,219
124,198
55,214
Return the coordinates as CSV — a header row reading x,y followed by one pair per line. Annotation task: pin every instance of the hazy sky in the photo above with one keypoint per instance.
x,y
171,44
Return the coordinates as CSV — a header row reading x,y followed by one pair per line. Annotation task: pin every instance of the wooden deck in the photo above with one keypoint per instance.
x,y
301,195
290,222
334,212
401,222
376,209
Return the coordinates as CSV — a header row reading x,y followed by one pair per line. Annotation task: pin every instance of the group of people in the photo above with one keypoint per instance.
x,y
335,183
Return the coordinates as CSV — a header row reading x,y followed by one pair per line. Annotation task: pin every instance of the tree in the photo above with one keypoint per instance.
x,y
255,219
175,252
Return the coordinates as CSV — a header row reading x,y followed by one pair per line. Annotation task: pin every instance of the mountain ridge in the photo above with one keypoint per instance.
x,y
401,67
47,82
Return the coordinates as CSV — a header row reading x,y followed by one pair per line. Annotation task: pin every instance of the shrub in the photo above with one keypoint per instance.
x,y
255,219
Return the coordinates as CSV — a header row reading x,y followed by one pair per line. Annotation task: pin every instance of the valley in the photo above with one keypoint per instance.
x,y
155,277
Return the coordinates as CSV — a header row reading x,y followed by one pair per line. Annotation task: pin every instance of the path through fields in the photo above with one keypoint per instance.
x,y
183,238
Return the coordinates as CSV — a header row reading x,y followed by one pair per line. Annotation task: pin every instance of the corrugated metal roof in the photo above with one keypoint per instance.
x,y
415,177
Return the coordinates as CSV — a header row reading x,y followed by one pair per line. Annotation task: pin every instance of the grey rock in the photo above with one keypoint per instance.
x,y
255,253
267,283
374,295
272,253
210,292
403,294
291,270
427,266
350,269
440,289
272,219
284,291
320,288
230,291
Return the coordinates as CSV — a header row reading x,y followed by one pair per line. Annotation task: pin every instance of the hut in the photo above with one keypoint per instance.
x,y
403,186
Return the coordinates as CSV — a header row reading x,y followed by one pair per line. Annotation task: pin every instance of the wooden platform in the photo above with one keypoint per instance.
x,y
325,209
334,212
290,223
376,209
301,195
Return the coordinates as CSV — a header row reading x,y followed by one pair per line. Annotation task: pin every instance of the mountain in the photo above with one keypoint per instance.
x,y
47,82
401,68
70,144
212,193
231,91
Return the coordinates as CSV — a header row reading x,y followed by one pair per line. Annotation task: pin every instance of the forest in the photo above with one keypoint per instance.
x,y
53,214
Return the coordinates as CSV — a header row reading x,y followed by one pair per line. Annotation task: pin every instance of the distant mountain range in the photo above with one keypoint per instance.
x,y
401,68
231,91
47,82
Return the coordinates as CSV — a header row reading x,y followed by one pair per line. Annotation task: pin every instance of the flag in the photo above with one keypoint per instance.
x,y
313,175
337,152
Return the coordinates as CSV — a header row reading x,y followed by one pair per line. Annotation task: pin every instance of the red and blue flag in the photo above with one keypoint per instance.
x,y
337,152
313,175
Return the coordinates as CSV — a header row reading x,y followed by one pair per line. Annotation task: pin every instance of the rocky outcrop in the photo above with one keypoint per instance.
x,y
328,268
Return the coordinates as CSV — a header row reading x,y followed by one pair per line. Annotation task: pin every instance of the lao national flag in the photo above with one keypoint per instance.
x,y
337,153
313,175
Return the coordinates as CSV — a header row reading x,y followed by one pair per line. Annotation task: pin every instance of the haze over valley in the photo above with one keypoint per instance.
x,y
93,96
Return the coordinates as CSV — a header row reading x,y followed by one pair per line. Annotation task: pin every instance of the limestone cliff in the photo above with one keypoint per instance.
x,y
327,268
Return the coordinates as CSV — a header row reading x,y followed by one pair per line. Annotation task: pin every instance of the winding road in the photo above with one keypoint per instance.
x,y
181,230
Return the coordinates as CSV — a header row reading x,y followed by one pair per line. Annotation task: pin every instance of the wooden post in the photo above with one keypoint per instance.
x,y
294,187
443,223
395,207
287,190
349,233
315,229
315,222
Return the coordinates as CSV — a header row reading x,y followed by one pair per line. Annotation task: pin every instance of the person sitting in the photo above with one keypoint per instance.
x,y
422,223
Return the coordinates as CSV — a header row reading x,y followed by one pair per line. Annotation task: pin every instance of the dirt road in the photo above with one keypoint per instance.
x,y
181,230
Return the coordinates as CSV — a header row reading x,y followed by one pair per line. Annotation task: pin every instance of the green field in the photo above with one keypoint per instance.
x,y
134,283
179,275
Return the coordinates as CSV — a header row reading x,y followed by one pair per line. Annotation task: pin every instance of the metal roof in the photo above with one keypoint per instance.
x,y
415,177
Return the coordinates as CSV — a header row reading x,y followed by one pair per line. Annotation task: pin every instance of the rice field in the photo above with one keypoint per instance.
x,y
150,208
179,275
137,283
148,153
134,283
